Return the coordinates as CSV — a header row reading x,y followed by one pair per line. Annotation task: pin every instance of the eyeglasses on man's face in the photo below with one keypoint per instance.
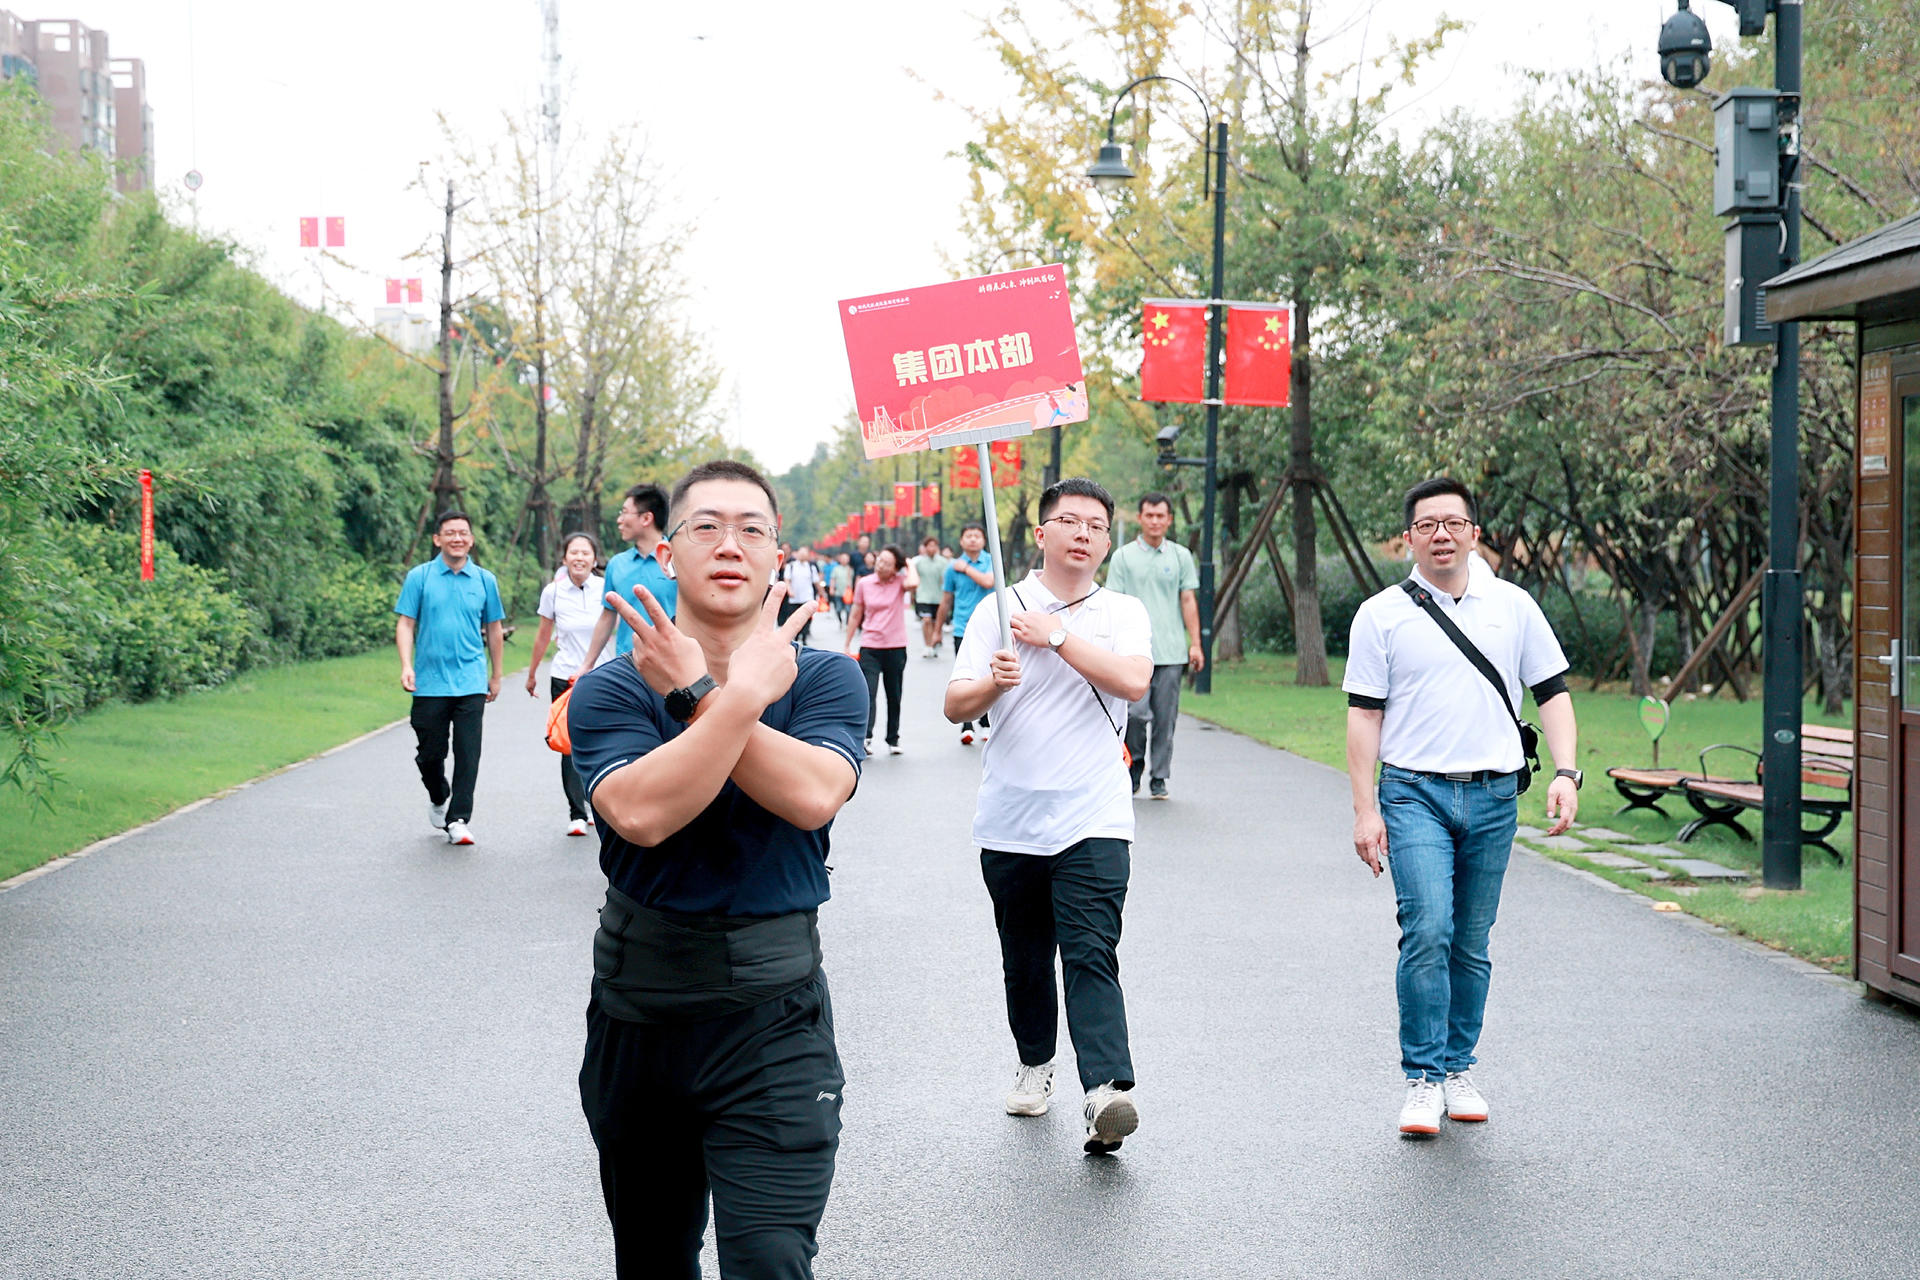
x,y
1455,525
1074,524
750,535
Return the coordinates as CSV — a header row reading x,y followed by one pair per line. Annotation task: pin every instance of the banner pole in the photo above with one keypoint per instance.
x,y
993,546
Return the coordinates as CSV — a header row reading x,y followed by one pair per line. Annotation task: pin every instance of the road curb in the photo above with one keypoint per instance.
x,y
54,864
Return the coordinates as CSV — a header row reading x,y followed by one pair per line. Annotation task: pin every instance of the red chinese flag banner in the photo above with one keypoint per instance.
x,y
856,524
1006,463
336,233
903,496
146,525
309,233
964,362
930,500
876,514
394,288
414,292
1259,365
1173,363
966,470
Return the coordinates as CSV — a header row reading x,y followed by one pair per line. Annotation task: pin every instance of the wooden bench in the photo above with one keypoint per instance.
x,y
1826,760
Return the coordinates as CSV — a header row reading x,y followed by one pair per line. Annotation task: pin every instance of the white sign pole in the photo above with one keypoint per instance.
x,y
993,546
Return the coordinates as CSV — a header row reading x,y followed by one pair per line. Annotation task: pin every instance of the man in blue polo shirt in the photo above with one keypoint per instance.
x,y
710,1067
969,580
446,606
643,514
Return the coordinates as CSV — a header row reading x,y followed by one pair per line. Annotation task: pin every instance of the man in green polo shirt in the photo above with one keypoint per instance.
x,y
1161,574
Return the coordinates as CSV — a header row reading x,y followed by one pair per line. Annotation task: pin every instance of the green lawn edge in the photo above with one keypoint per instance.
x,y
1256,696
123,765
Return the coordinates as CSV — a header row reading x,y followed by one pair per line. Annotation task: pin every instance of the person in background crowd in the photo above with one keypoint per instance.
x,y
1160,573
878,631
840,587
862,556
801,587
643,514
569,607
968,580
716,757
1054,823
930,568
1449,754
450,644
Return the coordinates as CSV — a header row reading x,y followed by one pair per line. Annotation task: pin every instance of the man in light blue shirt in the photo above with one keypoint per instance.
x,y
643,522
969,578
448,607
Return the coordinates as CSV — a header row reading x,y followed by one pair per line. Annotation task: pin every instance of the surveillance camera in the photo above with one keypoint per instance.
x,y
1684,49
1166,437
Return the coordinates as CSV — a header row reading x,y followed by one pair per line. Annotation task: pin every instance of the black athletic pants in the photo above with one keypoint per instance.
x,y
432,717
569,780
1069,903
890,665
745,1107
788,608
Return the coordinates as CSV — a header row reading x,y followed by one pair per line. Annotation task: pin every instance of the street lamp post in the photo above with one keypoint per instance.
x,y
1109,172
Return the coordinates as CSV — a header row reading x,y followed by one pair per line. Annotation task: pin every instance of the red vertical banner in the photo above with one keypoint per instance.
x,y
336,233
309,233
1006,463
414,292
146,525
876,516
394,288
903,496
930,500
1259,354
966,470
856,524
1173,363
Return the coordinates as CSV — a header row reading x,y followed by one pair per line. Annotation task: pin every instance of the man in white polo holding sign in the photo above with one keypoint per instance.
x,y
1055,816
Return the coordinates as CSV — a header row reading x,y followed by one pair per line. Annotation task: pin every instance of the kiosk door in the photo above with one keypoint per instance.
x,y
1904,728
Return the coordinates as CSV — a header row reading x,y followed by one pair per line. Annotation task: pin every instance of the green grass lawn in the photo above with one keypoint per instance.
x,y
1257,697
122,765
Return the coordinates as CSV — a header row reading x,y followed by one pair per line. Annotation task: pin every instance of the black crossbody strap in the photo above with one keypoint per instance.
x,y
1425,600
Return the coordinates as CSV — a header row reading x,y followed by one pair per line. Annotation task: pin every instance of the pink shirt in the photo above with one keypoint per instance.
x,y
884,624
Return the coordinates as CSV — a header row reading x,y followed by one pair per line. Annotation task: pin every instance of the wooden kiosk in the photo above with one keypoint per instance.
x,y
1875,282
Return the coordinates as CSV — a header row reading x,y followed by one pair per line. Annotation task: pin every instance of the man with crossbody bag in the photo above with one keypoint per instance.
x,y
1055,816
1434,672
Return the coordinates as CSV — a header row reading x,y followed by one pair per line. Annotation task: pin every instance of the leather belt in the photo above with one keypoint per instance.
x,y
1462,775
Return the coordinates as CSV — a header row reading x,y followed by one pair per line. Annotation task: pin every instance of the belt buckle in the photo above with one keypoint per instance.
x,y
1465,776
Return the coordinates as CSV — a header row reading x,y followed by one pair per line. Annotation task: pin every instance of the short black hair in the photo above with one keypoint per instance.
x,y
899,556
723,469
1155,499
649,500
973,524
451,513
1434,488
1076,487
592,541
929,538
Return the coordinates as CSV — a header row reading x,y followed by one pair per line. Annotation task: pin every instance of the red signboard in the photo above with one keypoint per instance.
x,y
1006,466
146,525
989,358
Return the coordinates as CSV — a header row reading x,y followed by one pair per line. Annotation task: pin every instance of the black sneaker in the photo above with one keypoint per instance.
x,y
1157,788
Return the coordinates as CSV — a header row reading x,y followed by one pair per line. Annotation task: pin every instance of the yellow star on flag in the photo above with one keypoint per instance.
x,y
1159,319
1273,324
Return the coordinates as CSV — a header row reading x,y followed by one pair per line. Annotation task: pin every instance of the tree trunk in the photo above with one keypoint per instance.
x,y
1309,635
446,488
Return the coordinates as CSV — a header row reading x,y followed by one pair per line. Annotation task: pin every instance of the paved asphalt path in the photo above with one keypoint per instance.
x,y
292,1033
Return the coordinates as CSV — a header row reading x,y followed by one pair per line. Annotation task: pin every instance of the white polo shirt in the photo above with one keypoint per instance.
x,y
574,611
1053,775
1442,715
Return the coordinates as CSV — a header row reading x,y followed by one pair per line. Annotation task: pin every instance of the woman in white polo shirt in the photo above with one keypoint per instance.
x,y
570,605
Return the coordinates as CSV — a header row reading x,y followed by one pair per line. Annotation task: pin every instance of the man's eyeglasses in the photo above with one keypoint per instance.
x,y
751,535
1074,524
1456,525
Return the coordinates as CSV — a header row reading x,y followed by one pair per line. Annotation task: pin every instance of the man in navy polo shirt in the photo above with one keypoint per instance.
x,y
446,606
710,1066
643,514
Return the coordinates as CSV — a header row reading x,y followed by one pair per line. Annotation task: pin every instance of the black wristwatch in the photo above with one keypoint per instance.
x,y
1575,774
682,703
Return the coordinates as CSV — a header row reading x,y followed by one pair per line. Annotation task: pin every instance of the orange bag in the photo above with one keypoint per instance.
x,y
557,736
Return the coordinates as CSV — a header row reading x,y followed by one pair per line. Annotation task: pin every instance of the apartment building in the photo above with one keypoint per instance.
x,y
98,102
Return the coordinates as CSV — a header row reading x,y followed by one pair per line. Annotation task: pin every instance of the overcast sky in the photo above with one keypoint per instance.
x,y
797,136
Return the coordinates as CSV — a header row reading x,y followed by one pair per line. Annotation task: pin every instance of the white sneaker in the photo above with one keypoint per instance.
x,y
1111,1116
1420,1113
1464,1101
1032,1086
457,833
437,816
578,827
986,731
966,737
893,748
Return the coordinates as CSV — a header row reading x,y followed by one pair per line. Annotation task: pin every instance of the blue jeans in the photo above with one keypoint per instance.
x,y
1447,846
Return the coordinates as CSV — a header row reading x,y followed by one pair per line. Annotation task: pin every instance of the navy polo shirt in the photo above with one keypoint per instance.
x,y
450,609
628,570
735,858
